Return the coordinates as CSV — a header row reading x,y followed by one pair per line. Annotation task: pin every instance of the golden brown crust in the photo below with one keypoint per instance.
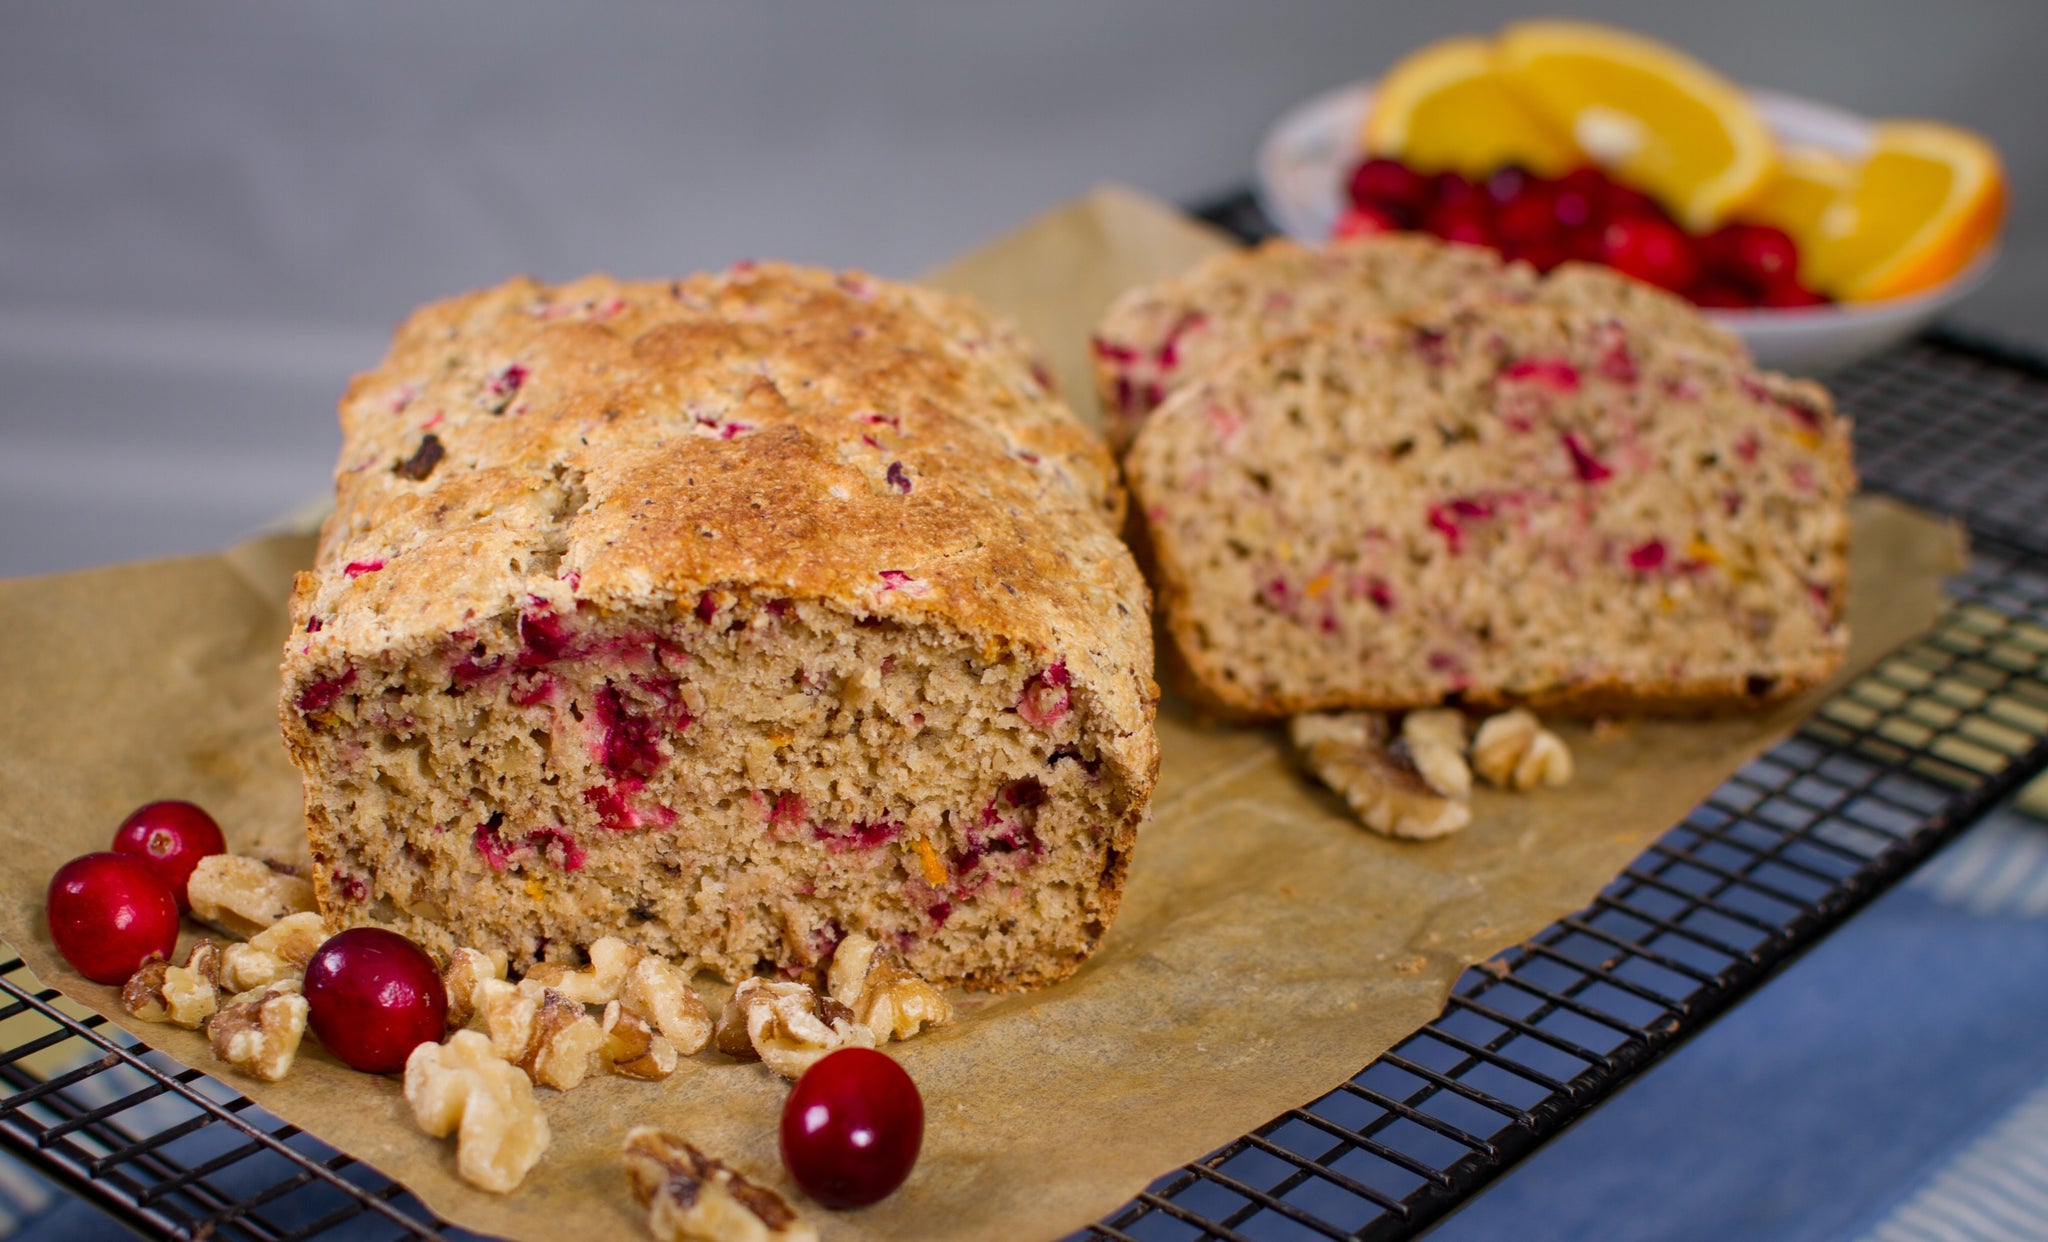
x,y
675,507
1156,338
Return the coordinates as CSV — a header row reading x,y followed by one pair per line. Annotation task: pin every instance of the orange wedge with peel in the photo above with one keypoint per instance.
x,y
1654,117
1446,108
1926,198
1805,183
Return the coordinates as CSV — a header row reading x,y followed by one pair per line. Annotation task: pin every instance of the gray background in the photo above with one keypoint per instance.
x,y
212,213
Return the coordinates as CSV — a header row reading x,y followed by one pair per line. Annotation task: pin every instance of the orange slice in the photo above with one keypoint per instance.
x,y
1925,200
1659,120
1806,182
1446,108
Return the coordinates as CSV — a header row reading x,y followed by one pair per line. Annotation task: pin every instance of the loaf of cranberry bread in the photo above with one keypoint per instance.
x,y
1494,505
731,616
1155,338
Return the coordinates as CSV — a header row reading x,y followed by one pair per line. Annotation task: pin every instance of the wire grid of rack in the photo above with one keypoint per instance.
x,y
1886,772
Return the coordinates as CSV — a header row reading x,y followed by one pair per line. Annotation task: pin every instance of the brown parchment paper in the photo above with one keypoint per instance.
x,y
1268,947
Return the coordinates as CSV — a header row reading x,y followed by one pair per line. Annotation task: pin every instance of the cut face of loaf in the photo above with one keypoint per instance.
x,y
1515,505
729,617
1159,337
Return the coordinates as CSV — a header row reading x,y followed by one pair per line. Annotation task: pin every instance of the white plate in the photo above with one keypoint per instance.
x,y
1306,158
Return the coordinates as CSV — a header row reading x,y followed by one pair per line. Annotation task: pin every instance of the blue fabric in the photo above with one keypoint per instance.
x,y
1814,1108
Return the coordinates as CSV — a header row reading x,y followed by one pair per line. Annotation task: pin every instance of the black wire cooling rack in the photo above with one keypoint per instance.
x,y
1886,772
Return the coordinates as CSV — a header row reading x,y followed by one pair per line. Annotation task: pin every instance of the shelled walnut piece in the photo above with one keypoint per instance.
x,y
787,1026
184,995
691,1197
1414,782
658,992
889,1000
279,951
243,896
1356,754
596,984
1435,741
651,1017
258,1032
539,1030
565,1038
462,1087
467,969
635,1049
1514,750
508,1016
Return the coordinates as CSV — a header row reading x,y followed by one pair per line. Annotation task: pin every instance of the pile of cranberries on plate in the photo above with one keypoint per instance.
x,y
1583,215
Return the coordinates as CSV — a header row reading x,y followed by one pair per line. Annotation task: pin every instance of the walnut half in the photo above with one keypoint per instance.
x,y
633,1048
258,1032
596,984
786,1025
565,1038
242,896
885,997
180,995
1435,740
279,951
539,1030
463,1088
1515,751
1355,754
658,992
465,970
692,1198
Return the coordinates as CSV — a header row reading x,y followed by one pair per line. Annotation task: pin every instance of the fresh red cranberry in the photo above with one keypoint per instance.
x,y
373,996
1541,256
1789,295
1717,294
171,837
1755,255
110,913
1527,221
1449,189
1576,198
851,1128
1650,250
1510,183
1367,220
1587,243
1461,222
1623,203
1389,184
